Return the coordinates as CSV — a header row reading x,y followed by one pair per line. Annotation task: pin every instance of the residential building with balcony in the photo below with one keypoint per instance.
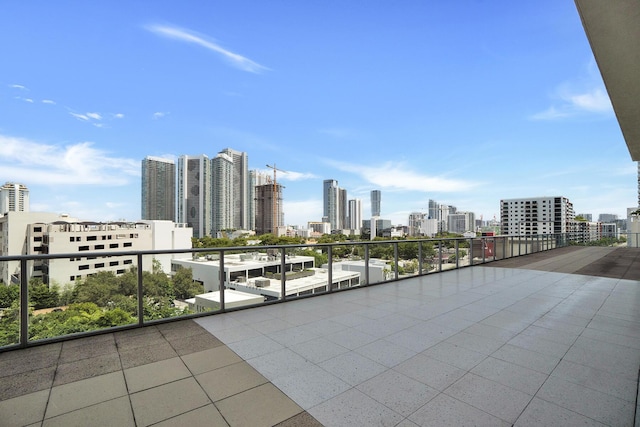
x,y
536,215
14,197
158,196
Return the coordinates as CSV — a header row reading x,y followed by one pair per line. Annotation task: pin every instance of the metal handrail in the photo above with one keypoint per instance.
x,y
550,241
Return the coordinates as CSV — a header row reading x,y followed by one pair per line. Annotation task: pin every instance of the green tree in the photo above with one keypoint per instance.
x,y
8,295
183,284
40,296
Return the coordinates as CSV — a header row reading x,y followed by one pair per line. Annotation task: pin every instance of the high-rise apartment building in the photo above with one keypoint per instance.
x,y
536,215
222,193
331,203
355,214
14,198
158,189
269,213
376,200
460,222
231,198
194,194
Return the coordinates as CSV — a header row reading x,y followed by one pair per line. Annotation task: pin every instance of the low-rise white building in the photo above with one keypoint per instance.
x,y
30,233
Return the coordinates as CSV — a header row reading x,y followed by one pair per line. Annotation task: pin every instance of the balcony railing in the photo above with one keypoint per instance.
x,y
226,279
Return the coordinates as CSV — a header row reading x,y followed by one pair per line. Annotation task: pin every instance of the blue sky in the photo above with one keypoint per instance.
x,y
463,102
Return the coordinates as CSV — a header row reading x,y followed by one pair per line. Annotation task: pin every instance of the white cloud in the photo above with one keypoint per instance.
x,y
573,103
79,116
48,101
399,176
283,175
76,164
29,100
188,36
95,116
158,115
18,87
118,116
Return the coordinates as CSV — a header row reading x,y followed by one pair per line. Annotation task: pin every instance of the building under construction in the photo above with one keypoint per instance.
x,y
269,214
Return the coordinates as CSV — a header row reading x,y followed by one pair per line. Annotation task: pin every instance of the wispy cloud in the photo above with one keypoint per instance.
x,y
158,115
48,101
399,176
18,87
29,100
283,175
580,96
236,60
118,116
94,116
76,164
78,116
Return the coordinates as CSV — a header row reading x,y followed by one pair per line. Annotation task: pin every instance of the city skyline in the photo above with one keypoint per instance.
x,y
465,103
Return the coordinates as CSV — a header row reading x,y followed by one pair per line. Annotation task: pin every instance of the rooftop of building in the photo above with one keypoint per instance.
x,y
551,338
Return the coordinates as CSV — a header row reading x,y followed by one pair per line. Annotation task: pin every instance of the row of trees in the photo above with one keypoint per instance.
x,y
99,301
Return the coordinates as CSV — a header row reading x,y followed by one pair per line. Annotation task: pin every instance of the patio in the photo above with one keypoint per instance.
x,y
546,339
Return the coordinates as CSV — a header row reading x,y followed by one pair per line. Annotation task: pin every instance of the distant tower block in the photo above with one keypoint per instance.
x,y
376,198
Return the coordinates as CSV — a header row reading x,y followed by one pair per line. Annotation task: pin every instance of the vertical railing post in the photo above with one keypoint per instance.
x,y
140,293
24,304
440,256
366,264
471,251
221,280
457,254
420,258
484,248
330,266
283,280
395,259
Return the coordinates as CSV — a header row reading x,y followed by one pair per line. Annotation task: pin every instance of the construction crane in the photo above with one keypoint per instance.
x,y
274,214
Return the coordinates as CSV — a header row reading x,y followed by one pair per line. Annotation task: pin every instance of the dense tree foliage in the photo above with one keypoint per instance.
x,y
99,301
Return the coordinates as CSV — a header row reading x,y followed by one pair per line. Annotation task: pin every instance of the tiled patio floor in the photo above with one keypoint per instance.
x,y
476,346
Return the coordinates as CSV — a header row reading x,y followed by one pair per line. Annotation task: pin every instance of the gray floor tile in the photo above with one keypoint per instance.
x,y
352,367
385,353
476,343
354,408
510,375
593,404
80,394
155,374
318,350
25,409
351,338
430,371
116,412
229,380
256,346
90,347
444,410
86,368
613,358
208,360
496,399
543,413
136,356
618,386
455,355
260,406
167,401
398,392
279,363
526,358
26,382
206,415
311,386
